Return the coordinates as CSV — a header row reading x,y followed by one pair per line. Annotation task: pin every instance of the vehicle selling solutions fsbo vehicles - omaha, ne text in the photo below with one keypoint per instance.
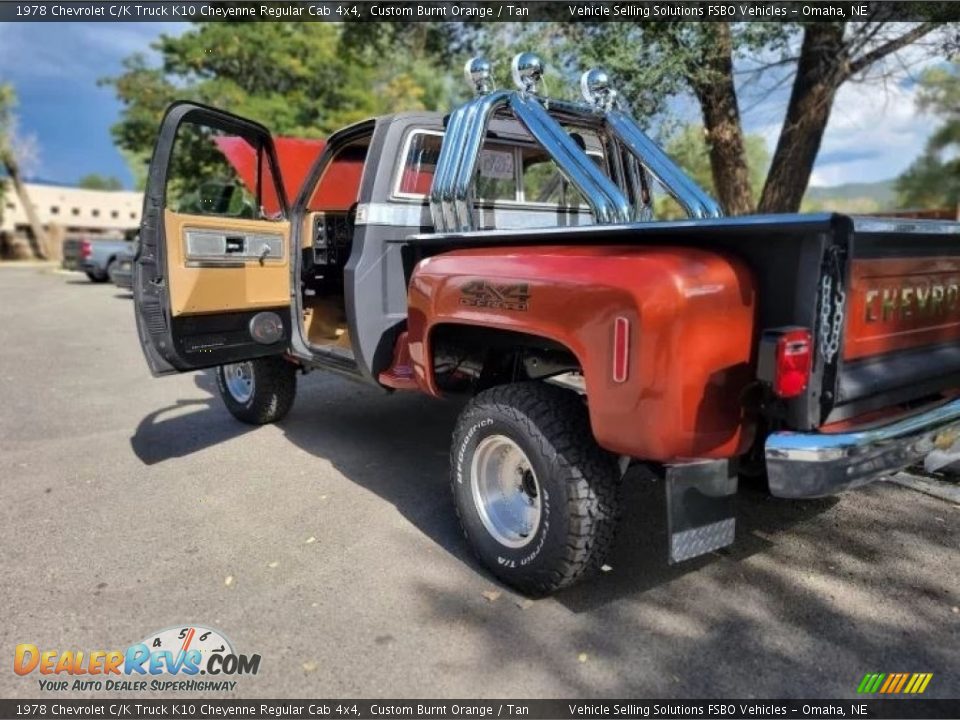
x,y
507,252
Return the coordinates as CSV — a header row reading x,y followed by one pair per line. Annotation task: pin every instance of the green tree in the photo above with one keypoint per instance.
x,y
688,147
10,144
298,79
652,63
933,180
657,61
95,181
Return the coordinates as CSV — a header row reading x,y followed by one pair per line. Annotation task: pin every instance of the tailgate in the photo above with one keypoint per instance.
x,y
71,253
901,324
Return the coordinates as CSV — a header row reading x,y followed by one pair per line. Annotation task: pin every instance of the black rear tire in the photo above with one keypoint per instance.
x,y
97,277
272,389
577,483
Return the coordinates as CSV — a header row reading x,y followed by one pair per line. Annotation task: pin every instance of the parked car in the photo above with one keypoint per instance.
x,y
506,253
94,256
121,271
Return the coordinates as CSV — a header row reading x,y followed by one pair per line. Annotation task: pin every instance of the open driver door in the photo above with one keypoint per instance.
x,y
212,274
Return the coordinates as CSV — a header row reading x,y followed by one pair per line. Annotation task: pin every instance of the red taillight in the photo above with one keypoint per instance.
x,y
794,359
85,249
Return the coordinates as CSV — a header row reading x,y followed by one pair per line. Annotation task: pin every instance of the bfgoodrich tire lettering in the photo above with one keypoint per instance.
x,y
274,387
577,483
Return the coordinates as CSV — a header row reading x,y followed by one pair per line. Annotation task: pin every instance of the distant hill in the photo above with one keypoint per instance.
x,y
852,197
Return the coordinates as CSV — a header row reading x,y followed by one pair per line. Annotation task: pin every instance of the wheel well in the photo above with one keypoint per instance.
x,y
470,358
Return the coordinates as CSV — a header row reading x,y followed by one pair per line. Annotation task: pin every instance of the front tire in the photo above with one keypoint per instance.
x,y
537,498
258,391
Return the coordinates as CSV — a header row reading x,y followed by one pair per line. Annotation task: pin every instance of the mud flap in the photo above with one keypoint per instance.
x,y
700,507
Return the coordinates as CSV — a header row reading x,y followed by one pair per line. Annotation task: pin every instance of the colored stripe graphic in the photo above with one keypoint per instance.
x,y
869,683
891,681
900,683
894,683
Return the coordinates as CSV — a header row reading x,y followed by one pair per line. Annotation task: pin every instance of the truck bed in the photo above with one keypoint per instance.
x,y
910,362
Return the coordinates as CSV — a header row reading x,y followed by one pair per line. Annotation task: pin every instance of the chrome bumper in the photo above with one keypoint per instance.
x,y
803,465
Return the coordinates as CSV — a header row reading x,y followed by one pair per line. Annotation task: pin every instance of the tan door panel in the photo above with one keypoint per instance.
x,y
213,285
309,223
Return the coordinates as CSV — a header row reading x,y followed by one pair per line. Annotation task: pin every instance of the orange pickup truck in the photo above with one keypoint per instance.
x,y
508,253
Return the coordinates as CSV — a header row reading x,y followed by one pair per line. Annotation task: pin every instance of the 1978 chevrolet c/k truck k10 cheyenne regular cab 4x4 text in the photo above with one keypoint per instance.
x,y
508,252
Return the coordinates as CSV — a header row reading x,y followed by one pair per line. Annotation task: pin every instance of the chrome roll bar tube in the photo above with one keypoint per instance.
x,y
692,198
608,203
451,194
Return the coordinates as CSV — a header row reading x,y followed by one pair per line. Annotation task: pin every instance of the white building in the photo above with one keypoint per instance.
x,y
76,210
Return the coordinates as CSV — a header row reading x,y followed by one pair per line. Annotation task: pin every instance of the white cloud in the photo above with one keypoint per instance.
x,y
875,130
874,134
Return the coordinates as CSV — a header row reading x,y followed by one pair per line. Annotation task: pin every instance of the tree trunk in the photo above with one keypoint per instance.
x,y
820,70
38,240
721,119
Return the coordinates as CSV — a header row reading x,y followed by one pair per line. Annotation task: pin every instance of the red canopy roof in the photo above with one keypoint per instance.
x,y
295,155
337,190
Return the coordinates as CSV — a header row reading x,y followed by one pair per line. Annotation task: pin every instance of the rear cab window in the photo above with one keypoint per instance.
x,y
509,175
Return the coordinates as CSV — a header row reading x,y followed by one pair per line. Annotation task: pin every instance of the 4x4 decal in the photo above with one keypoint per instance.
x,y
480,293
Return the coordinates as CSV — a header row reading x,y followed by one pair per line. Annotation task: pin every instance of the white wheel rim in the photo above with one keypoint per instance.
x,y
505,491
239,380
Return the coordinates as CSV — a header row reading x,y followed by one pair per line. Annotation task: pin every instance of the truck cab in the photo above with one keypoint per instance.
x,y
508,252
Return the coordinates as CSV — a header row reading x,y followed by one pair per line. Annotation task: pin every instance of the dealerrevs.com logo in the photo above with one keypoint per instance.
x,y
167,660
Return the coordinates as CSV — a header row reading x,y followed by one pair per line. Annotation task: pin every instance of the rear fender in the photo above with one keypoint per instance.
x,y
687,318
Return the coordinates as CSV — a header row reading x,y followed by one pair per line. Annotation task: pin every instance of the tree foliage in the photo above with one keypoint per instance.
x,y
933,180
308,79
657,61
7,102
8,132
96,181
688,147
298,79
12,147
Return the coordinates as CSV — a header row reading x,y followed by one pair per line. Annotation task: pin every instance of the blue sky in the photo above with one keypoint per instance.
x,y
54,68
874,132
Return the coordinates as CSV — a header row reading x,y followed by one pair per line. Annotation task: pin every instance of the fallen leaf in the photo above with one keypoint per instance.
x,y
273,564
310,539
523,603
582,657
491,595
228,581
310,666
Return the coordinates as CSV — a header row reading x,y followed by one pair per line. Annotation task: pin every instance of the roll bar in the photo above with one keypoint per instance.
x,y
452,191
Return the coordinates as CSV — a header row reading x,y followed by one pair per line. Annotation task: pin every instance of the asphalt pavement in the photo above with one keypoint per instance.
x,y
328,545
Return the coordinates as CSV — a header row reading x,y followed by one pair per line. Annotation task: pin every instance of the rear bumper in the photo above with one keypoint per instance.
x,y
803,465
77,265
